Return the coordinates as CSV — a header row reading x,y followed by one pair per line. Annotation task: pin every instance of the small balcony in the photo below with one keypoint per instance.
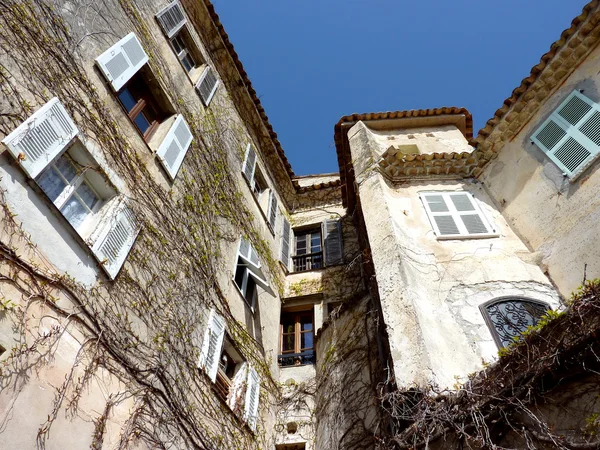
x,y
297,359
309,261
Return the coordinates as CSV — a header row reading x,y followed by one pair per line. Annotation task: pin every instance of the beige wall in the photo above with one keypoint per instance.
x,y
431,290
557,217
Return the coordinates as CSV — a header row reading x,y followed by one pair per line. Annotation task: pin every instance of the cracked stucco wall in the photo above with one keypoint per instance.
x,y
431,290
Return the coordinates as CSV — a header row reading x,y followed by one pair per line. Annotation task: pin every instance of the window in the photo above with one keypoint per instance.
x,y
296,339
456,215
66,186
248,273
230,374
124,66
141,105
571,135
316,247
259,188
308,250
184,55
48,149
509,317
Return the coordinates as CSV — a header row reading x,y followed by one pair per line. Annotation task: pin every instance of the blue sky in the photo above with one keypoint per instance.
x,y
312,62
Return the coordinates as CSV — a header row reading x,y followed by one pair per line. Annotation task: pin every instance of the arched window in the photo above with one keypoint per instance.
x,y
508,317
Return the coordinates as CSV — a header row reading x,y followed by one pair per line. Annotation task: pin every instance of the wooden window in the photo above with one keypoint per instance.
x,y
308,250
570,137
141,105
296,338
456,215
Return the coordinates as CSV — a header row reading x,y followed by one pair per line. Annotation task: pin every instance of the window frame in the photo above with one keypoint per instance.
x,y
456,214
298,351
251,267
144,103
185,51
307,231
484,309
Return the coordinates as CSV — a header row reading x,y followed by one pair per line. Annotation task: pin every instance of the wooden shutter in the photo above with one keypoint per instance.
x,y
115,240
212,345
207,85
455,215
175,145
272,213
171,19
571,135
42,137
249,163
252,398
332,240
285,243
120,62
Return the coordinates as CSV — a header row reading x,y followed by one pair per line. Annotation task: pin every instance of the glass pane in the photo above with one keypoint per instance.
x,y
250,289
127,99
288,343
177,44
187,62
239,274
51,183
288,324
306,323
141,122
315,242
74,211
301,244
66,168
306,340
316,262
87,195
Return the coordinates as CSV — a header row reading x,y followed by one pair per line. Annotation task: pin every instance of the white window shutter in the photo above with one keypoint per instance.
x,y
174,146
332,241
249,164
252,398
571,135
272,213
285,243
171,18
455,215
120,62
115,240
207,85
212,345
42,137
237,386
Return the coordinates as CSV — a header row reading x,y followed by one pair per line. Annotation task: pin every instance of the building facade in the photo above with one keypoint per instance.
x,y
167,281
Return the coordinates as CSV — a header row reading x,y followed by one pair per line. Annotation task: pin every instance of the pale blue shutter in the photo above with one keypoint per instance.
x,y
272,213
285,243
174,146
332,239
207,85
171,19
249,163
571,135
252,399
121,62
41,138
212,345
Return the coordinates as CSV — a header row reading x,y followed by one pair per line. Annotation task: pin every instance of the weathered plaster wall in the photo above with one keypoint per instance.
x,y
429,139
430,290
556,217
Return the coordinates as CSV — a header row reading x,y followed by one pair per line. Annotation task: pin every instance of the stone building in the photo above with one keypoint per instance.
x,y
167,281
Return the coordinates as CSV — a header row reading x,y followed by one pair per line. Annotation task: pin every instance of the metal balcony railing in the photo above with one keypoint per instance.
x,y
297,359
310,261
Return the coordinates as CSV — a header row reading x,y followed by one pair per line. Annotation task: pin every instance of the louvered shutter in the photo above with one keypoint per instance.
x,y
41,138
212,345
455,215
332,239
171,19
249,163
248,252
252,398
207,85
237,386
115,240
285,243
120,62
272,213
571,135
175,145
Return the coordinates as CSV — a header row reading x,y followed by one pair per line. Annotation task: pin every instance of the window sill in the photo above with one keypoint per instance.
x,y
462,237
